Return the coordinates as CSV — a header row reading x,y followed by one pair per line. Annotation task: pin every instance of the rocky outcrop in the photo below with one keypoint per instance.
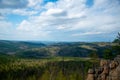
x,y
108,70
90,74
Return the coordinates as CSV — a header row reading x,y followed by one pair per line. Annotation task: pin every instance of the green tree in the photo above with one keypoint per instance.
x,y
107,54
93,55
116,48
117,40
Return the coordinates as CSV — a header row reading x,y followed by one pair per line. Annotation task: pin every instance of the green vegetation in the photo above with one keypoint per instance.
x,y
94,55
4,58
11,47
45,69
117,40
41,50
55,61
114,50
108,54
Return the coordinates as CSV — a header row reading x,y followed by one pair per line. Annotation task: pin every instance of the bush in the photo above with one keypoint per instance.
x,y
107,54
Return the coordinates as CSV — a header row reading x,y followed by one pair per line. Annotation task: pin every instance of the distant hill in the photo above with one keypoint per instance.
x,y
10,47
47,49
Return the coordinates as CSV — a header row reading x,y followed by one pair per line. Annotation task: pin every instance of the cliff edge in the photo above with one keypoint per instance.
x,y
108,70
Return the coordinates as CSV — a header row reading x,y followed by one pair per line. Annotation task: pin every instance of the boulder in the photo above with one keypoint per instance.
x,y
105,70
90,75
90,71
113,64
108,70
103,63
115,74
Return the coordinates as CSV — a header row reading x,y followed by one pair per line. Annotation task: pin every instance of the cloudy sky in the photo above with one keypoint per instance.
x,y
59,20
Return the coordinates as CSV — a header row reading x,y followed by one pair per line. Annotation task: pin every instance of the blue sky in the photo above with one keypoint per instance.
x,y
59,20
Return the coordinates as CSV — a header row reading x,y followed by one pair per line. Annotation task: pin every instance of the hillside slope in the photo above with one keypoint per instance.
x,y
39,49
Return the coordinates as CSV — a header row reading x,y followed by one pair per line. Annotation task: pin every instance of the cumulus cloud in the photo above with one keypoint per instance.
x,y
73,17
34,2
70,20
13,3
19,7
56,12
24,12
6,30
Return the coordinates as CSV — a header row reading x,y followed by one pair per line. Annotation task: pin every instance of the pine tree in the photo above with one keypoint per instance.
x,y
117,40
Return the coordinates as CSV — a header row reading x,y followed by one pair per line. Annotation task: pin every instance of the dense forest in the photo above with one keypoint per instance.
x,y
45,69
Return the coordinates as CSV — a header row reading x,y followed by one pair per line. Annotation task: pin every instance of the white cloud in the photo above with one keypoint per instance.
x,y
5,11
76,17
87,33
31,31
20,7
6,29
5,26
34,2
25,25
13,3
56,12
24,12
61,27
69,17
2,17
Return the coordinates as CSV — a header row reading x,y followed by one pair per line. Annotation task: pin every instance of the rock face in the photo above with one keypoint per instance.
x,y
108,70
90,74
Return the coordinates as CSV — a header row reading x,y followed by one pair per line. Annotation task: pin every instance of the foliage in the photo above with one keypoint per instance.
x,y
117,40
39,50
4,58
43,69
107,54
93,55
32,54
14,46
116,50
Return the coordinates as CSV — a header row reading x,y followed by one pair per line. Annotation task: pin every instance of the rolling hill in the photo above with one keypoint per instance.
x,y
39,49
